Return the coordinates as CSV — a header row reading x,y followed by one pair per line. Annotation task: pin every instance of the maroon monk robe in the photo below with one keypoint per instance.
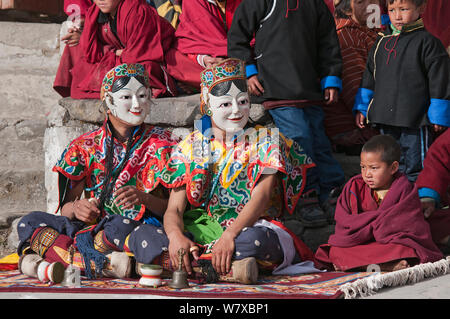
x,y
203,28
366,233
436,175
144,37
436,19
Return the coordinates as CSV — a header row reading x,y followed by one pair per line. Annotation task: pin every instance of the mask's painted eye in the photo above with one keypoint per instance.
x,y
243,101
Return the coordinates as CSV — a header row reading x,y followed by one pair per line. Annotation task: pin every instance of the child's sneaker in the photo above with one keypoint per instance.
x,y
310,214
329,205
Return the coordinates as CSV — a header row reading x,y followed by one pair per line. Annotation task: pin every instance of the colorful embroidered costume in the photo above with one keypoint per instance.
x,y
85,159
202,164
104,165
220,179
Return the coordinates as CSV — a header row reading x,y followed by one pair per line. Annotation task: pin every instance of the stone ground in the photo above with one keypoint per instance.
x,y
30,54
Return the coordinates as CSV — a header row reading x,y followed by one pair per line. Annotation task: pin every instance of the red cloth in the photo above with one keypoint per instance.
x,y
330,5
436,175
359,222
202,30
145,38
436,19
436,168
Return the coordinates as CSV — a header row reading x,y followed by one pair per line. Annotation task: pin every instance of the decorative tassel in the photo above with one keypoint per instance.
x,y
411,275
85,245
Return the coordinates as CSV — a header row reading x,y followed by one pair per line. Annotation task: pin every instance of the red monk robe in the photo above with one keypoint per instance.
x,y
436,20
367,234
435,176
203,27
144,37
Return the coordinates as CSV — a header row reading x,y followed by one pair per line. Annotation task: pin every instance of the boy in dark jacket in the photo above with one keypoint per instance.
x,y
296,65
405,90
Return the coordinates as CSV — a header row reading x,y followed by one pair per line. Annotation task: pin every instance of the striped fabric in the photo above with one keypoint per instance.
x,y
355,41
168,9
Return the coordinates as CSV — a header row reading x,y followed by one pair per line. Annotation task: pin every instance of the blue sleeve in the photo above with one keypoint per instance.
x,y
428,192
385,19
251,70
439,112
331,82
362,101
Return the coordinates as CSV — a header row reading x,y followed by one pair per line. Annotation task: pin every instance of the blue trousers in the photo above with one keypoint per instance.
x,y
414,143
305,126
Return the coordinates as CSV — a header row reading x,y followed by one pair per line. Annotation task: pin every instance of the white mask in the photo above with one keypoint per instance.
x,y
131,103
230,112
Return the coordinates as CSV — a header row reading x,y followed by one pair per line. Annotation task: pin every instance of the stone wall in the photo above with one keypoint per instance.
x,y
29,55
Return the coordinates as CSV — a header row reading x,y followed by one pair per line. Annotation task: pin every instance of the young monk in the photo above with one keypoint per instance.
x,y
202,32
123,31
116,167
378,217
239,178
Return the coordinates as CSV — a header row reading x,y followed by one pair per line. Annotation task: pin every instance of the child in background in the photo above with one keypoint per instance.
x,y
356,38
378,216
294,69
405,88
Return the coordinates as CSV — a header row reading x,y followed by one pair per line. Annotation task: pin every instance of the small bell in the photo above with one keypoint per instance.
x,y
179,276
72,274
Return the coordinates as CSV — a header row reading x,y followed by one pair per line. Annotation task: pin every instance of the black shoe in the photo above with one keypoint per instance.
x,y
310,214
329,206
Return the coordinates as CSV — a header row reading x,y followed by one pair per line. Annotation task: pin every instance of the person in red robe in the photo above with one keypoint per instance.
x,y
124,31
436,20
202,31
434,190
378,217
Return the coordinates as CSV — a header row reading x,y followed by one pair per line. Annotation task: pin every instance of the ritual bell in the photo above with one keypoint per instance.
x,y
179,276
